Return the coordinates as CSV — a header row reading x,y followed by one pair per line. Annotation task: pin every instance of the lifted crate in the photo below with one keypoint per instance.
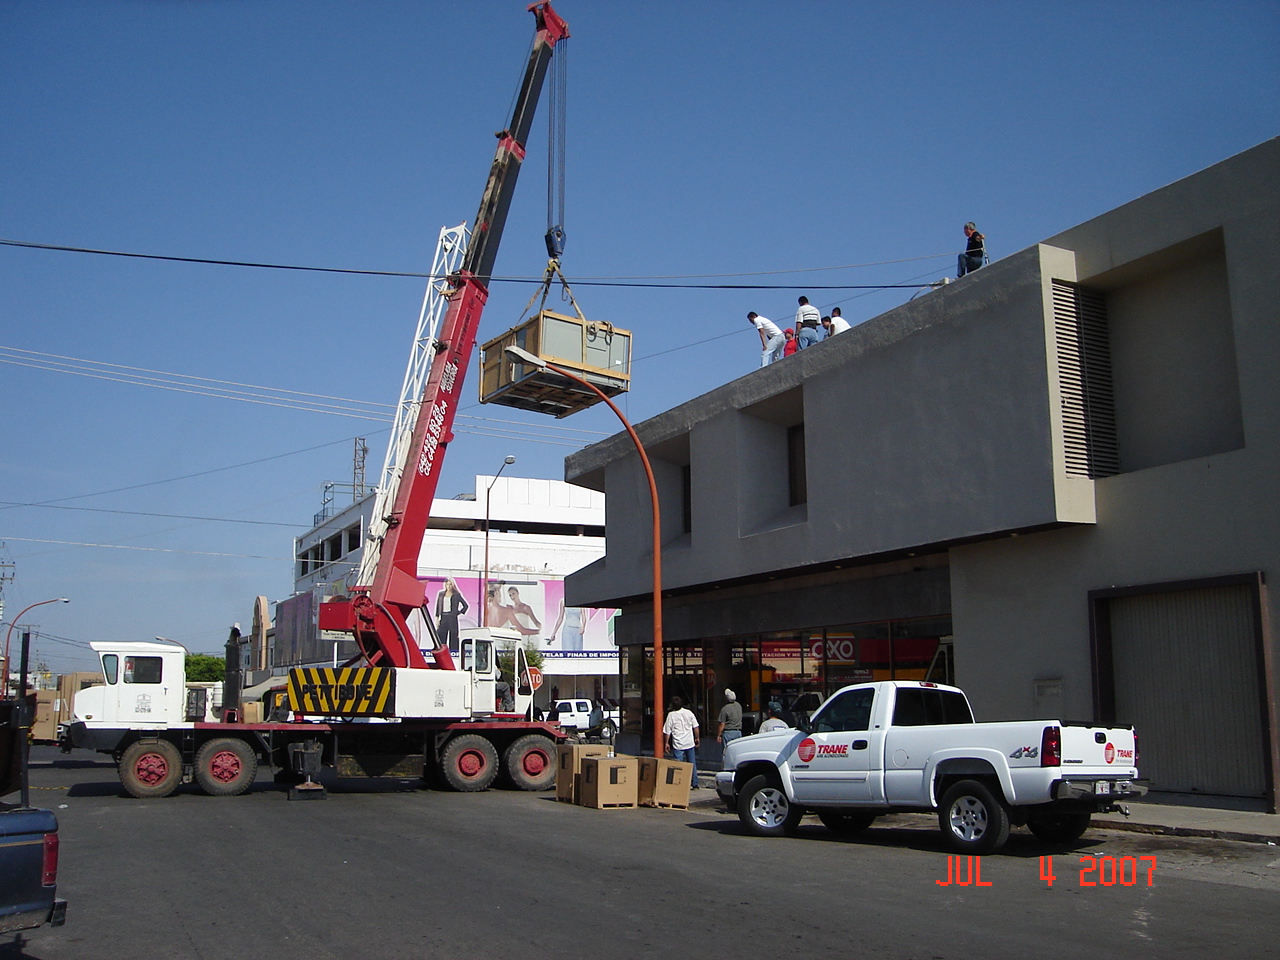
x,y
598,352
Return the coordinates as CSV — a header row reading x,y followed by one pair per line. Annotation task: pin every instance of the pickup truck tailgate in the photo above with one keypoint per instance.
x,y
1101,749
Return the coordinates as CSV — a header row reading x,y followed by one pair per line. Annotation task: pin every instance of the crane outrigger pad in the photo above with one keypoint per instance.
x,y
600,353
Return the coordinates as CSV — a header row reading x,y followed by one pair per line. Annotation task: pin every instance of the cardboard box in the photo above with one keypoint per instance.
x,y
610,782
69,684
665,783
44,725
569,757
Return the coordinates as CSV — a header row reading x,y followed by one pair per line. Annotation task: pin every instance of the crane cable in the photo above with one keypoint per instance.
x,y
557,110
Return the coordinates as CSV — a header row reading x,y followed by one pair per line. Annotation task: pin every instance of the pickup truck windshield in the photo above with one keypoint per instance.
x,y
922,708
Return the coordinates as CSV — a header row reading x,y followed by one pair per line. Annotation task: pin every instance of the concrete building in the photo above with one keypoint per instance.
x,y
1053,482
538,531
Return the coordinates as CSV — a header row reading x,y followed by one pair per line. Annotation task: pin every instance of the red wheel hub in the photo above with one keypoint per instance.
x,y
225,766
535,762
471,763
151,769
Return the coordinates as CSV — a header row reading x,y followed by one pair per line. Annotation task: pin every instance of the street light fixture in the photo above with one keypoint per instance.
x,y
484,597
14,622
524,356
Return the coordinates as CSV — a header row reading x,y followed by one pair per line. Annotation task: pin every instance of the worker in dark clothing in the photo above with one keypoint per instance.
x,y
975,251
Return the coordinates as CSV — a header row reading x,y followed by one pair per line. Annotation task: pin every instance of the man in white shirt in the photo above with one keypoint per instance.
x,y
807,321
838,323
772,340
681,730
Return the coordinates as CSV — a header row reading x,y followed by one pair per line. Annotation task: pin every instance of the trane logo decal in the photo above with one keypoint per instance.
x,y
1112,752
808,750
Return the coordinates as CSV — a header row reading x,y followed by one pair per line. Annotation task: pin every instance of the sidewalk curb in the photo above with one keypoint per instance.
x,y
1202,833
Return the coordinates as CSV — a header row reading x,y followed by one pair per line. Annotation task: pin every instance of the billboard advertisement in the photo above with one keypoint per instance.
x,y
572,640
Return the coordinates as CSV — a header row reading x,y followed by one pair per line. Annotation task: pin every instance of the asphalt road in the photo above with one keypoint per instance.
x,y
403,872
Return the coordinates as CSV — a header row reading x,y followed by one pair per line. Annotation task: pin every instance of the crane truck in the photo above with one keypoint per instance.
x,y
391,710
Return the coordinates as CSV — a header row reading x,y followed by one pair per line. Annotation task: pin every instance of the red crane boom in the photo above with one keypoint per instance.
x,y
378,613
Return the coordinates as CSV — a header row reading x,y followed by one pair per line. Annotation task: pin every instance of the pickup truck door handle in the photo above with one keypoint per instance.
x,y
859,744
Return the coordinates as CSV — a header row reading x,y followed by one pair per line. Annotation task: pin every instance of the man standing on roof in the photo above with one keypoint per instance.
x,y
807,320
974,253
771,339
838,323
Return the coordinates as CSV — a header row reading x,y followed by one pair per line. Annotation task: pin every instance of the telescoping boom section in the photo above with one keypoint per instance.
x,y
378,614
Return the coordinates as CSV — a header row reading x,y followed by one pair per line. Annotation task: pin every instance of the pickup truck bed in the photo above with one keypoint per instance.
x,y
28,858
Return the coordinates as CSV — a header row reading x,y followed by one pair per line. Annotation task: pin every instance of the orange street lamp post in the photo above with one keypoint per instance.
x,y
525,357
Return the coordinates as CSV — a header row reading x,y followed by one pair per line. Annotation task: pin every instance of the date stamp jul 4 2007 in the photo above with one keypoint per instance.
x,y
1094,871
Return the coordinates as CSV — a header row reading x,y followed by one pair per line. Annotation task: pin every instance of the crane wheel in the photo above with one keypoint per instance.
x,y
469,763
151,769
226,767
530,762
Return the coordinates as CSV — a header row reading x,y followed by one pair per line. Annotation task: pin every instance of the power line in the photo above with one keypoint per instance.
x,y
120,546
212,387
167,516
192,476
643,282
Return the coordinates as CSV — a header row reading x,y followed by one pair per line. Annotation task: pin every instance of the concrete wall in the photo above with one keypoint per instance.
x,y
1197,344
930,424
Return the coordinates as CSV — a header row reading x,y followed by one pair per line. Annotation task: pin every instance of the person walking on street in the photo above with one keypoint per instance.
x,y
807,320
771,339
975,251
681,730
729,723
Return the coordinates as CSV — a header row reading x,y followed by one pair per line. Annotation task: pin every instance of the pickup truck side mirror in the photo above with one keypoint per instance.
x,y
803,723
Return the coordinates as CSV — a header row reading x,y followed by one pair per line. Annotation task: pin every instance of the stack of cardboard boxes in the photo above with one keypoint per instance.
x,y
588,776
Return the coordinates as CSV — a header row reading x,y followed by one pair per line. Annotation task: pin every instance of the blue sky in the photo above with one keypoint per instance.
x,y
744,142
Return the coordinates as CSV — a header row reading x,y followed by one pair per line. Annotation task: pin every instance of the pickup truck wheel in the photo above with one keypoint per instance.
x,y
972,819
469,763
149,770
225,767
846,822
765,811
530,762
1060,827
609,730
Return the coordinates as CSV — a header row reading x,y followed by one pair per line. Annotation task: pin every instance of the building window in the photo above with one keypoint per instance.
x,y
797,474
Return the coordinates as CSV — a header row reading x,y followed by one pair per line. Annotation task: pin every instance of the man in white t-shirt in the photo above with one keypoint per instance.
x,y
681,730
838,323
772,340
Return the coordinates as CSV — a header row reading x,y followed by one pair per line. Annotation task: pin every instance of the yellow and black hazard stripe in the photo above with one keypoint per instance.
x,y
342,691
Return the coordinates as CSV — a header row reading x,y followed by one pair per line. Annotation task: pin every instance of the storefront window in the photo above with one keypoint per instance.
x,y
798,669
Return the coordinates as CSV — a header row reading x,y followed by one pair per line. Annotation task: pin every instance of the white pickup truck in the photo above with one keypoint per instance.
x,y
908,746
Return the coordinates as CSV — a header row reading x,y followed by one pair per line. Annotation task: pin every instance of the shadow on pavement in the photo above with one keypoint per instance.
x,y
1021,845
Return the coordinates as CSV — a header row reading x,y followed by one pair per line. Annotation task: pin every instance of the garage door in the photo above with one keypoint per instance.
x,y
1186,676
